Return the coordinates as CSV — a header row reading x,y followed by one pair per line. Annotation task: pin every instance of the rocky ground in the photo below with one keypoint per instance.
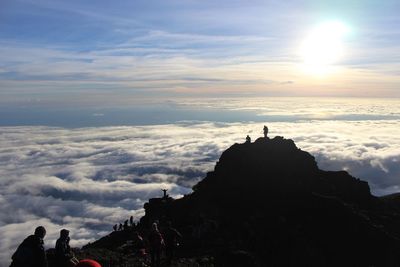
x,y
268,204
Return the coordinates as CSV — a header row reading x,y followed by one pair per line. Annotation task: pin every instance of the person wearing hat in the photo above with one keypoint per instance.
x,y
31,251
88,263
64,255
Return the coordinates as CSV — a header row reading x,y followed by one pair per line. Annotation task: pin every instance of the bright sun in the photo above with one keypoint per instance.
x,y
323,47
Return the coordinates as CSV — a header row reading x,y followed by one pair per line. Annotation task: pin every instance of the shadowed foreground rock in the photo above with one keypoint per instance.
x,y
268,204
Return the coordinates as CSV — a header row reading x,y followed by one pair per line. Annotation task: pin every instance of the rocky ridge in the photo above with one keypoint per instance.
x,y
267,203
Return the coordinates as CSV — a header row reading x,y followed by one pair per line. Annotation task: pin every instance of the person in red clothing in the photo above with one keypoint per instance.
x,y
156,242
139,245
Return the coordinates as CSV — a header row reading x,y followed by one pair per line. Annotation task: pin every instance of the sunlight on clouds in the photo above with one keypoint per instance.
x,y
131,66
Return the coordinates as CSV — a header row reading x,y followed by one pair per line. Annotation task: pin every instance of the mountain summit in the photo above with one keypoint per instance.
x,y
268,202
275,168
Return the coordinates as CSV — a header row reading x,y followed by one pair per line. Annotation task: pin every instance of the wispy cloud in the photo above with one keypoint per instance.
x,y
132,68
190,48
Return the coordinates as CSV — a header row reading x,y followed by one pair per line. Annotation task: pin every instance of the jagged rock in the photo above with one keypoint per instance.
x,y
270,201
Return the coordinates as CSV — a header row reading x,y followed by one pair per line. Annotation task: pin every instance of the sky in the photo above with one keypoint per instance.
x,y
81,53
104,103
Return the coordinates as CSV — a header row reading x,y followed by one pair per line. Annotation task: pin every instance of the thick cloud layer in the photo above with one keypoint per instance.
x,y
88,179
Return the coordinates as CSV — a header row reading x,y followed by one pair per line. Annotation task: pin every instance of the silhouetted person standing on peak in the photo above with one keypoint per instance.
x,y
265,131
115,227
171,237
248,139
165,193
120,227
31,253
64,255
156,243
131,221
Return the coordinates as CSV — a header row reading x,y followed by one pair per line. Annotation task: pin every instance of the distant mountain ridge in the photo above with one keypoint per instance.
x,y
269,200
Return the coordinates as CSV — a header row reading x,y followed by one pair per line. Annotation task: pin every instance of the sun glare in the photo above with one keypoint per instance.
x,y
323,47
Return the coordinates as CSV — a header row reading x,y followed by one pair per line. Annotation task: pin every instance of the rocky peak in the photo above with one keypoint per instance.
x,y
277,167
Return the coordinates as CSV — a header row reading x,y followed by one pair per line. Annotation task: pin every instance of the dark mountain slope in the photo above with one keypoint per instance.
x,y
269,200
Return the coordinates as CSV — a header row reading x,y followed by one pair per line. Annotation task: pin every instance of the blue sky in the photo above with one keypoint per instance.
x,y
74,50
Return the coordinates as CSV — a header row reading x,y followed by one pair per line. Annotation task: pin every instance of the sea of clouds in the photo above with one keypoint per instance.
x,y
88,179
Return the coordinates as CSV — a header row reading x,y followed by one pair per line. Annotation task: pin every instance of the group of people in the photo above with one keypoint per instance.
x,y
265,130
125,226
157,242
31,252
